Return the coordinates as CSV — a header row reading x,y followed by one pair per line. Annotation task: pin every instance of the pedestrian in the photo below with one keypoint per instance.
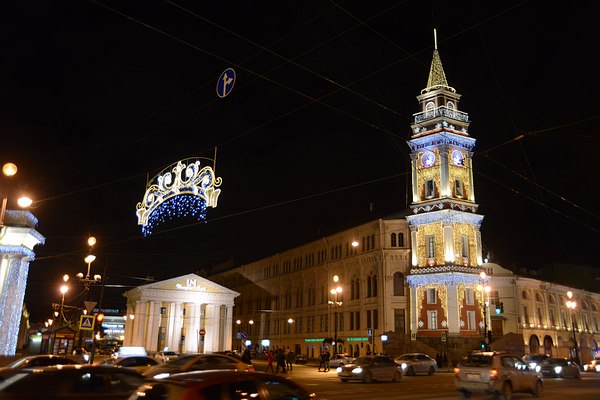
x,y
445,360
290,359
280,361
438,360
327,356
322,362
270,361
246,356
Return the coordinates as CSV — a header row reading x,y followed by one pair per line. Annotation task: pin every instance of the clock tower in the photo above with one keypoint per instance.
x,y
445,228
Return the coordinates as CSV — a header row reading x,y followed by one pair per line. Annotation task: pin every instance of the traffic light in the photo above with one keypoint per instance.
x,y
498,309
483,345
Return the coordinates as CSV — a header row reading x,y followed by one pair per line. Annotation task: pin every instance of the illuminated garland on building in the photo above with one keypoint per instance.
x,y
181,190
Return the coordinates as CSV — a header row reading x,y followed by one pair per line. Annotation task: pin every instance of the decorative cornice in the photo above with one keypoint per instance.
x,y
445,215
441,138
447,275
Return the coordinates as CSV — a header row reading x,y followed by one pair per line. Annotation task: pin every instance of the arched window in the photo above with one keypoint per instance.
x,y
400,239
429,109
539,298
357,288
398,284
450,106
369,282
374,281
524,295
393,239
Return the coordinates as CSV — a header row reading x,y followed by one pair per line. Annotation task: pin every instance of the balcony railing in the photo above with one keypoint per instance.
x,y
441,112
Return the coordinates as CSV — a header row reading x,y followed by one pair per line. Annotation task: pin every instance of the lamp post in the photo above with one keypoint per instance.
x,y
9,170
571,305
335,303
484,287
50,336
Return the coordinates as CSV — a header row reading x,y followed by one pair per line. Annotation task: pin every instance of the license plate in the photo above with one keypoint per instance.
x,y
472,376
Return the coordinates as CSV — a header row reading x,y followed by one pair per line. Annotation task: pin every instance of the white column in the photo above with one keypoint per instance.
x,y
177,327
151,341
449,254
170,328
228,328
211,339
136,323
128,325
414,316
140,322
192,329
413,246
453,309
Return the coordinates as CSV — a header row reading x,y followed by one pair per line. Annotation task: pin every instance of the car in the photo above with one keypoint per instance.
x,y
230,384
71,381
370,368
559,368
196,362
592,366
497,373
301,359
137,363
166,355
40,360
337,360
416,363
534,360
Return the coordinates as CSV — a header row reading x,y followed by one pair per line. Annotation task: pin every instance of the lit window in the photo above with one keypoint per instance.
x,y
429,188
431,296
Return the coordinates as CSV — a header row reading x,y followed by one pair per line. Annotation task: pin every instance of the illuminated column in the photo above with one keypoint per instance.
x,y
140,323
472,191
170,331
177,327
449,255
228,331
479,246
16,252
211,339
413,246
414,313
151,342
415,189
192,328
129,323
453,309
445,192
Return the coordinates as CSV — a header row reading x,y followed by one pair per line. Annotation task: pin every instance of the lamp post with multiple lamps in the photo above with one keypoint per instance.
x,y
571,305
59,315
9,170
335,303
484,288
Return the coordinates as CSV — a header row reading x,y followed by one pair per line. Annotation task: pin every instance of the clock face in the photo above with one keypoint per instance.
x,y
458,158
428,159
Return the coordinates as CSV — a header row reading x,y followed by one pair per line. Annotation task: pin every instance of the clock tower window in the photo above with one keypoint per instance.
x,y
458,188
429,188
430,246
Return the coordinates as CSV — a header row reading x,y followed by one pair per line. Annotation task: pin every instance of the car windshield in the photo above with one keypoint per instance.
x,y
553,361
169,353
406,357
536,358
477,360
179,361
364,361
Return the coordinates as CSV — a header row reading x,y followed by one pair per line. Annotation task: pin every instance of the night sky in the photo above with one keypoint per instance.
x,y
97,96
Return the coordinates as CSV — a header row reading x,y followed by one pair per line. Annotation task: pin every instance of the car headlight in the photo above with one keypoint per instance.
x,y
338,369
161,376
357,370
597,367
557,370
538,368
404,365
532,365
86,357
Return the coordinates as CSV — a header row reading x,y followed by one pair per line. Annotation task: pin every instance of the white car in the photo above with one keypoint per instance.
x,y
337,360
414,363
166,356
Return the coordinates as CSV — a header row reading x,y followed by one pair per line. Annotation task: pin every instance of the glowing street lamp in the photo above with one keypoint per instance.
x,y
572,305
9,170
335,303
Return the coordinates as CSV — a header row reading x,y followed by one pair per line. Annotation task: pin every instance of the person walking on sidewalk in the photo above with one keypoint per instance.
x,y
270,362
290,359
280,361
322,362
327,356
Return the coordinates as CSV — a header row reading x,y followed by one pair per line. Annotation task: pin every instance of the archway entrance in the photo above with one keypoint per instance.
x,y
534,345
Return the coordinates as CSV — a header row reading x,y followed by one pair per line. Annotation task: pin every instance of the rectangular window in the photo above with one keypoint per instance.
x,y
429,188
431,296
357,317
458,188
471,324
341,321
552,317
399,321
430,243
432,319
526,314
464,246
369,319
540,317
469,296
564,318
375,319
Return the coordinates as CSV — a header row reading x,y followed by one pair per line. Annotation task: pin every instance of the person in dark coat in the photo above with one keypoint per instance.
x,y
322,362
327,356
290,359
280,361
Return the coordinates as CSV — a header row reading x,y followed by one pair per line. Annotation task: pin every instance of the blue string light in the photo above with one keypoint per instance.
x,y
180,206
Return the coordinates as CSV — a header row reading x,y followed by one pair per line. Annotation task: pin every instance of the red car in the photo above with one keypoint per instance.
x,y
222,384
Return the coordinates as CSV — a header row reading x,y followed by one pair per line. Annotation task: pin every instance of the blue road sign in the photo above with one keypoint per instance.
x,y
226,82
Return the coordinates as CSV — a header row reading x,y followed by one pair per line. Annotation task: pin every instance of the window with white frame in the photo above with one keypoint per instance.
x,y
471,324
430,244
470,296
458,188
431,296
432,319
464,246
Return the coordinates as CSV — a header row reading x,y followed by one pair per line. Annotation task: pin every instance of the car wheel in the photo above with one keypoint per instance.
x,y
410,371
397,376
465,394
368,377
506,393
431,370
539,389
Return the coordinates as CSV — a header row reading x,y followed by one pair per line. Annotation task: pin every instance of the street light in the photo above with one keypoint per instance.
x,y
335,303
484,287
571,305
9,170
63,289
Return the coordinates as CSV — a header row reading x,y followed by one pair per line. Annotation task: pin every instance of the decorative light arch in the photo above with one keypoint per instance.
x,y
183,189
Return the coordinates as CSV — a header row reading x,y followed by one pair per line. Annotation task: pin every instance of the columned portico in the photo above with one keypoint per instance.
x,y
170,314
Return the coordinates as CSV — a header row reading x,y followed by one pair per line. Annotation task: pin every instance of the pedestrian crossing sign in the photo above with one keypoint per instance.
x,y
86,323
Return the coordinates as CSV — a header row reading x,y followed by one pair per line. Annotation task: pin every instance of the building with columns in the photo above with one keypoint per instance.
x,y
18,237
187,314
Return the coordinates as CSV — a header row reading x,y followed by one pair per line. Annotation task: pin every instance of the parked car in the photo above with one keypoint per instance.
x,y
209,385
301,359
500,374
40,360
371,368
534,360
136,363
416,363
165,356
560,368
337,360
71,381
592,366
196,362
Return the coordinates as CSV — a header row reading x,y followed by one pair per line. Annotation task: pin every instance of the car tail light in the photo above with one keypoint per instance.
x,y
456,371
493,374
250,368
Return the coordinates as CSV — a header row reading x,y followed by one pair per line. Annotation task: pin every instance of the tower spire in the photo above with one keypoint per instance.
x,y
437,77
